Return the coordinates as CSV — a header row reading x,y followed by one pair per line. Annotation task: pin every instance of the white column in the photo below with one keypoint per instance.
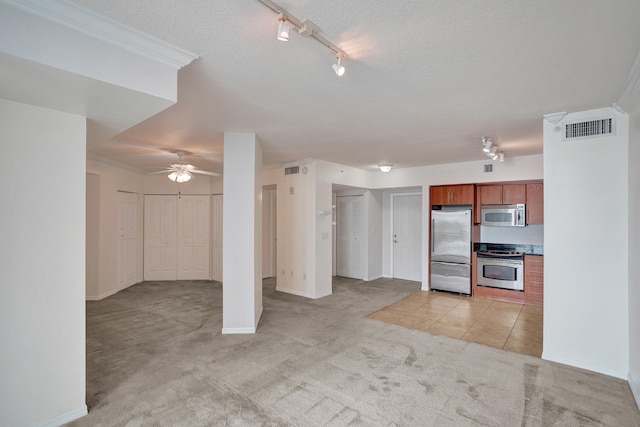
x,y
242,234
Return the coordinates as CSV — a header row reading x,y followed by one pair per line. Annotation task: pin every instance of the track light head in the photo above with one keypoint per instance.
x,y
487,144
339,68
283,29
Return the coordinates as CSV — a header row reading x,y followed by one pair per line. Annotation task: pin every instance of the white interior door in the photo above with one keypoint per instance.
x,y
160,238
216,237
192,238
127,239
268,233
407,236
349,236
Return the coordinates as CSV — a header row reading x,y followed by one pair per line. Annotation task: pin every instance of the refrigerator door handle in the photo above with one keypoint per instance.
x,y
433,232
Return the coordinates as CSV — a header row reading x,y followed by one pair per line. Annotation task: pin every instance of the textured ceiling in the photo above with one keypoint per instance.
x,y
425,79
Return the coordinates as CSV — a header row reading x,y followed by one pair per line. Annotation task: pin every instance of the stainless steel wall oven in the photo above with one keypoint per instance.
x,y
501,269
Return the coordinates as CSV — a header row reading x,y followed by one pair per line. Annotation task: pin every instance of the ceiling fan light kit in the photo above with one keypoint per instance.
x,y
182,171
180,176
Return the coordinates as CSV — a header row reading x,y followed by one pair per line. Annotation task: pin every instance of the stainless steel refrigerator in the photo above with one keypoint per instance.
x,y
451,250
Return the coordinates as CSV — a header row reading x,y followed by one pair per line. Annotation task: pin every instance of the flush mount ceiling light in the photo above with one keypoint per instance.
x,y
491,150
385,168
304,28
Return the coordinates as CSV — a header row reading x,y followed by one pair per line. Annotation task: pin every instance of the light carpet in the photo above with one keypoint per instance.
x,y
155,356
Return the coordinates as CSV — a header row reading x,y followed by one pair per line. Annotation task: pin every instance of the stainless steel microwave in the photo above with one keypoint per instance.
x,y
503,215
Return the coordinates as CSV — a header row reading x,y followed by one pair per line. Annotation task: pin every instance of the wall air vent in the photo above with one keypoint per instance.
x,y
291,170
589,129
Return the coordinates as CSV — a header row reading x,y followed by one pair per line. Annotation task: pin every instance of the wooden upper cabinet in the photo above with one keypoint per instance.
x,y
513,194
490,194
507,194
535,203
452,194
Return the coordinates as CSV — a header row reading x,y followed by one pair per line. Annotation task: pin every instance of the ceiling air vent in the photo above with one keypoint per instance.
x,y
291,170
589,129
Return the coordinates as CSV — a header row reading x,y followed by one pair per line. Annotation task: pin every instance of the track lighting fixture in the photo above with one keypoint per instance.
x,y
339,68
306,28
385,168
491,150
283,29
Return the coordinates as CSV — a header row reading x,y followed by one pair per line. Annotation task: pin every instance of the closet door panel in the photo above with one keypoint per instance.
x,y
160,238
193,238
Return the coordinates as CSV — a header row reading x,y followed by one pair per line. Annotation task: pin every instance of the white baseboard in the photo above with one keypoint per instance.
x,y
302,293
294,292
107,294
63,418
635,389
101,296
231,331
582,365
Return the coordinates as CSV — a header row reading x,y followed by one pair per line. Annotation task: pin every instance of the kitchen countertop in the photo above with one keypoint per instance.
x,y
526,249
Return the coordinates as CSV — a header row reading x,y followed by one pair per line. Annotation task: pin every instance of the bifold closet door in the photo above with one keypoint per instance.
x,y
193,238
160,237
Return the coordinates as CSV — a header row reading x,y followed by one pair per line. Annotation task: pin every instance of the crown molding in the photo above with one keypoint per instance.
x,y
100,27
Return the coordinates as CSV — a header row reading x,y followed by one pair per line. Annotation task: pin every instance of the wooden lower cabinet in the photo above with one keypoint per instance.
x,y
533,283
533,279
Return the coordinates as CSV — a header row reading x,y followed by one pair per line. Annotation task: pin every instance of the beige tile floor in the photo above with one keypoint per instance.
x,y
507,325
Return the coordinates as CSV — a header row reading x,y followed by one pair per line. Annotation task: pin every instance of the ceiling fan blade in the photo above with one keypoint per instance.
x,y
159,172
204,172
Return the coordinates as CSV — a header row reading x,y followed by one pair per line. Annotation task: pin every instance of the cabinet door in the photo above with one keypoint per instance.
x,y
438,195
461,194
513,194
535,203
491,194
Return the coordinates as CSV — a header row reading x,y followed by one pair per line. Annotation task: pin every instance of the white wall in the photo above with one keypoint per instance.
x,y
42,268
634,252
586,212
111,180
296,224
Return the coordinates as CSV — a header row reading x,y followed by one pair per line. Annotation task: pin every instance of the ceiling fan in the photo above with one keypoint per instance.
x,y
182,171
